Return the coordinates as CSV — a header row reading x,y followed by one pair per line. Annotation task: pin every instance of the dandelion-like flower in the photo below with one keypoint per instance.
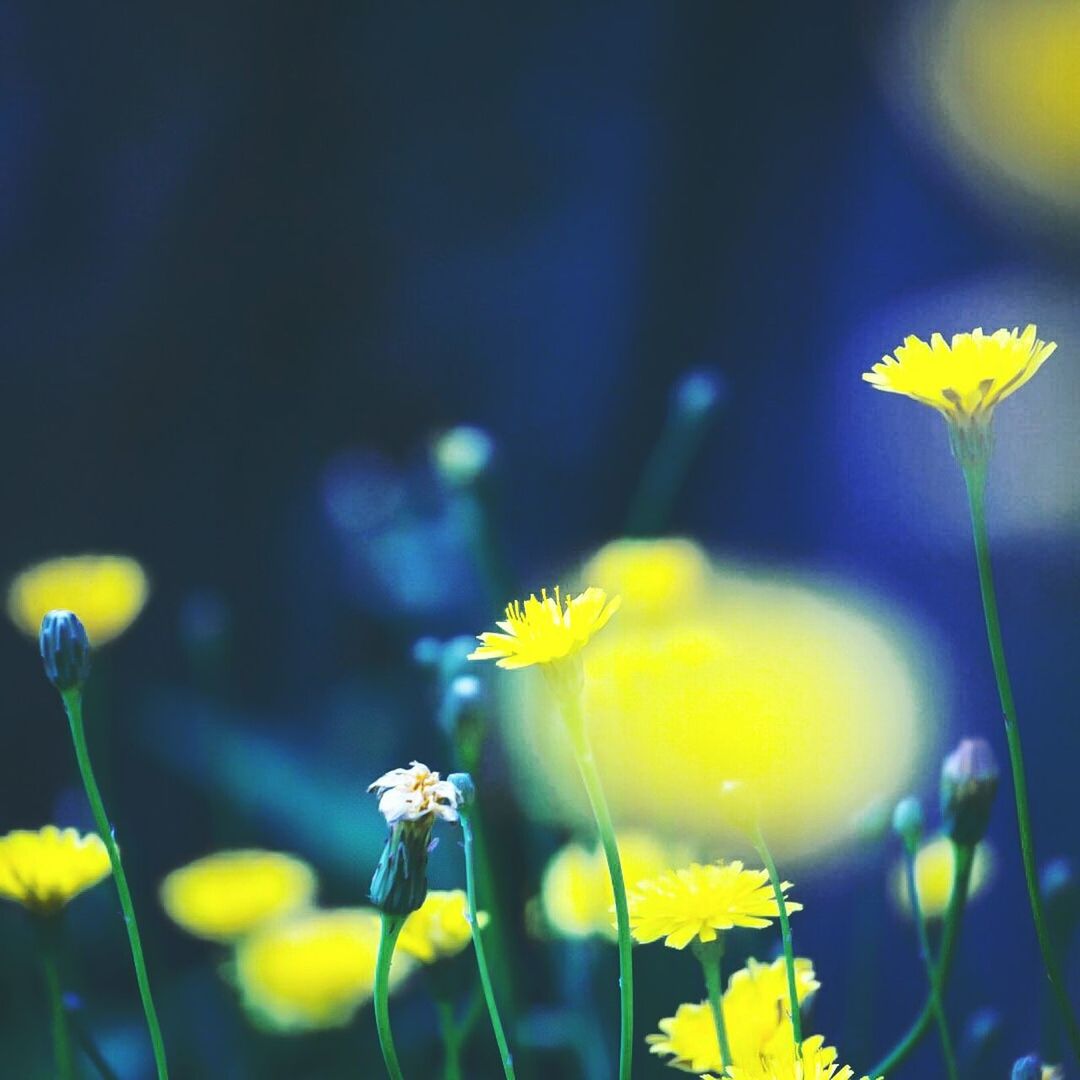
x,y
440,928
47,869
229,894
415,793
816,1061
698,901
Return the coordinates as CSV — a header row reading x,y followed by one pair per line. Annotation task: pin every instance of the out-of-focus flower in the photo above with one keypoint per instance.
x,y
414,793
65,650
934,864
229,894
816,1061
440,928
313,970
969,782
576,889
698,901
734,675
756,1013
462,454
106,591
46,869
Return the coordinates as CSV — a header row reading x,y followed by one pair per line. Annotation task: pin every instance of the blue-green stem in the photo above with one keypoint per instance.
x,y
711,955
478,947
388,935
975,482
73,706
933,975
89,1047
451,1039
49,944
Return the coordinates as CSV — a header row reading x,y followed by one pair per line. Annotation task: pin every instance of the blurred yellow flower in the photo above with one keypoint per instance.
x,y
107,592
44,870
756,1014
697,901
313,970
440,928
576,887
966,379
729,674
816,1062
228,894
934,864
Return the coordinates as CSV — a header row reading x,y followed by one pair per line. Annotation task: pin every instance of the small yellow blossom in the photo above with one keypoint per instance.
x,y
964,381
107,592
756,1013
44,870
934,864
228,894
1053,1072
414,793
816,1062
698,901
440,928
313,970
545,630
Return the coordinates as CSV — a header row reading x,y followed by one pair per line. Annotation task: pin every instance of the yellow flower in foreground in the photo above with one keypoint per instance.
x,y
817,1062
698,901
966,379
230,893
934,863
440,928
756,1012
107,592
312,971
551,628
576,887
45,870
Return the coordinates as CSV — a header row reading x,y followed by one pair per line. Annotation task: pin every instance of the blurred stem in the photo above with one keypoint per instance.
x,y
391,928
49,946
73,706
963,858
932,973
711,955
471,505
975,482
478,947
785,935
451,1036
89,1047
574,718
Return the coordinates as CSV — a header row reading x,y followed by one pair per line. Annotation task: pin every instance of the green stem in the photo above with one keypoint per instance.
x,y
451,1037
975,481
61,1035
963,858
478,947
575,724
391,928
932,972
73,706
785,937
711,955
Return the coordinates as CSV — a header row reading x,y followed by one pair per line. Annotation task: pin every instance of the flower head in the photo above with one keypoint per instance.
x,y
698,901
815,1062
969,782
414,793
107,592
45,870
229,894
313,970
440,928
65,650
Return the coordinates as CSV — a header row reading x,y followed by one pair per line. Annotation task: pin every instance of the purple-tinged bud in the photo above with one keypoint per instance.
x,y
969,782
65,650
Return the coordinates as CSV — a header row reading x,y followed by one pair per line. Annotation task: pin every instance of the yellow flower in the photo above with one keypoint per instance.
x,y
964,381
107,592
576,887
697,901
934,863
228,894
414,793
756,1013
816,1062
45,870
313,970
440,928
548,629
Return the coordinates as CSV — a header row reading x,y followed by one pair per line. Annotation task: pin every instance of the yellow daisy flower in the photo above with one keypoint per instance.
x,y
107,592
934,875
45,870
312,971
756,1012
698,901
440,928
228,894
816,1062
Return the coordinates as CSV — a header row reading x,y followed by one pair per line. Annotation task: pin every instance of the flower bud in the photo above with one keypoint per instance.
x,y
969,782
698,392
462,455
466,790
1027,1068
65,650
907,820
399,885
1061,894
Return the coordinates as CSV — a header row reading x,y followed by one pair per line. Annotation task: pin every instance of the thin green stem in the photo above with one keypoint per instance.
x,y
711,955
932,973
451,1037
963,859
61,1035
73,706
975,482
579,737
391,928
478,947
785,937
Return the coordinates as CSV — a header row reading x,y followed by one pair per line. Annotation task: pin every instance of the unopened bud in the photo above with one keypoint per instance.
x,y
698,392
463,454
65,650
1061,894
907,820
969,782
466,789
399,885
